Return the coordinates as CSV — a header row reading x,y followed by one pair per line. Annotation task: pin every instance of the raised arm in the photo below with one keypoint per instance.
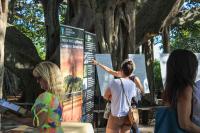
x,y
184,106
139,84
107,69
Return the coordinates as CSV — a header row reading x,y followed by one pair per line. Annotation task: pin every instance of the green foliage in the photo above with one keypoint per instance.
x,y
28,17
72,84
157,75
186,37
62,13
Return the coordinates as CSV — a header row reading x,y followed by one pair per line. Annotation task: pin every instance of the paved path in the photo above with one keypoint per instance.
x,y
143,129
146,129
9,124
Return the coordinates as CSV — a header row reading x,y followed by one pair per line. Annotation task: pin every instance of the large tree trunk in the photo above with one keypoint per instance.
x,y
113,22
149,59
166,25
3,24
119,29
12,11
82,14
165,39
52,29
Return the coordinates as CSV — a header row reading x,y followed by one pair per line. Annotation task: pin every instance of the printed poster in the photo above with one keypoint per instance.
x,y
140,70
89,77
104,77
71,65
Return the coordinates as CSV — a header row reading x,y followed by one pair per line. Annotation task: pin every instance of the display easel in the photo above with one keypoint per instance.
x,y
103,80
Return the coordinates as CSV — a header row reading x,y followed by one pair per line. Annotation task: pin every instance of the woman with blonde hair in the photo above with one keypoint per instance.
x,y
47,109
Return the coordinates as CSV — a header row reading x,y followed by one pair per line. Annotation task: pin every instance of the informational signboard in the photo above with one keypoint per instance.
x,y
140,70
71,65
89,77
103,77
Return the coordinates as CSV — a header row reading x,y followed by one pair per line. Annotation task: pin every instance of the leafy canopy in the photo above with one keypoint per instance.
x,y
28,17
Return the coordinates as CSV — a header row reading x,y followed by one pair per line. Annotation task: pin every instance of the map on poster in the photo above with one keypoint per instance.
x,y
140,70
163,62
103,77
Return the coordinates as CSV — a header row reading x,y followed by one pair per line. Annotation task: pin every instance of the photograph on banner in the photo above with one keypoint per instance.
x,y
71,65
140,70
104,77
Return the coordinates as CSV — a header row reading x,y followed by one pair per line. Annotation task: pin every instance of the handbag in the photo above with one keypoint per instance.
x,y
133,114
107,110
167,121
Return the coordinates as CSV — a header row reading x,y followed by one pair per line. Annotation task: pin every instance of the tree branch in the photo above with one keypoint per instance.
x,y
187,16
150,18
3,6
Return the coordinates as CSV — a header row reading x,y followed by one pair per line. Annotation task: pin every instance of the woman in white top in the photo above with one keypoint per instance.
x,y
118,121
134,78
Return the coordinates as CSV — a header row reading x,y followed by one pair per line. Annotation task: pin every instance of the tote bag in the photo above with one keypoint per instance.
x,y
166,121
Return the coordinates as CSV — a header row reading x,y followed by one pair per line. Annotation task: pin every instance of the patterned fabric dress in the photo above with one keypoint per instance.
x,y
47,102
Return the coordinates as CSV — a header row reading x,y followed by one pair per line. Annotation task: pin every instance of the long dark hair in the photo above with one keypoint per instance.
x,y
181,72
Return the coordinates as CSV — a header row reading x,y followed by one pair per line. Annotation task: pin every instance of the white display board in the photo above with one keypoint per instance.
x,y
103,77
163,63
140,70
198,73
